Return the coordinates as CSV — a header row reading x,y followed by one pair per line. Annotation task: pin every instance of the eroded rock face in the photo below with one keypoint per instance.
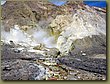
x,y
16,13
36,35
28,13
65,28
82,26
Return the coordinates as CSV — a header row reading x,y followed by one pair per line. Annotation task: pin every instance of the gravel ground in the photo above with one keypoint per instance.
x,y
31,66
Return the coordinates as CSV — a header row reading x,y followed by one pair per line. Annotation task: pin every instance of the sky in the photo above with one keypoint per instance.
x,y
100,4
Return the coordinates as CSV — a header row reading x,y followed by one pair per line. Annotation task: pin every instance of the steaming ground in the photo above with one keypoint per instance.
x,y
52,43
35,38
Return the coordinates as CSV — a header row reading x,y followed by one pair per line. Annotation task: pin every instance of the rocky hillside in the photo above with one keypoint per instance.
x,y
41,41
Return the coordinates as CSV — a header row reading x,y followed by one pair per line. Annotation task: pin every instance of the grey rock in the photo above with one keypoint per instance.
x,y
95,65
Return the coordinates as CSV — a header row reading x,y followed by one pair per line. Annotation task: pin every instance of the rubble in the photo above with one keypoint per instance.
x,y
41,41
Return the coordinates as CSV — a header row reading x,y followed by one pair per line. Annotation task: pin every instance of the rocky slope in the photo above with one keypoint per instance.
x,y
41,41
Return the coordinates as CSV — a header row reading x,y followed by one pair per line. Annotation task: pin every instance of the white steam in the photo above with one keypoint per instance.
x,y
3,2
44,38
20,37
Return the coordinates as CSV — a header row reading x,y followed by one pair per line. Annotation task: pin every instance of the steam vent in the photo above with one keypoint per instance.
x,y
42,40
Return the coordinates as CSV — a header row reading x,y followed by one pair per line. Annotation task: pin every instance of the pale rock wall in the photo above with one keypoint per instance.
x,y
84,24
